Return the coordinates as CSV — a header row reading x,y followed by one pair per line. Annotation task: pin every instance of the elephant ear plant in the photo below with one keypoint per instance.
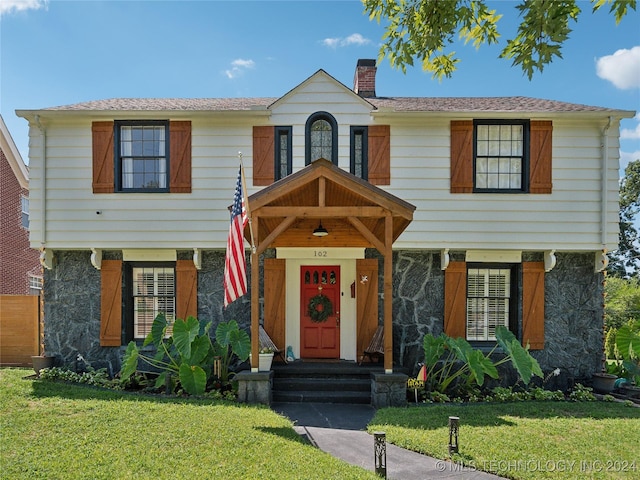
x,y
453,364
628,343
187,355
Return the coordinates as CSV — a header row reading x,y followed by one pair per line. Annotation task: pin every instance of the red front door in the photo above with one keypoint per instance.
x,y
320,311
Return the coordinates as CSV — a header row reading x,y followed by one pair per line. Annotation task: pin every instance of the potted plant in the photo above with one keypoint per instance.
x,y
265,360
604,382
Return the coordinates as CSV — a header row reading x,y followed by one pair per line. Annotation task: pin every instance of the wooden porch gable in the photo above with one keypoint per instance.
x,y
351,209
356,214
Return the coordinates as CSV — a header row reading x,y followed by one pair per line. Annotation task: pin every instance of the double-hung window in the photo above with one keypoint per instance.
x,y
491,300
501,156
24,206
153,291
142,156
359,152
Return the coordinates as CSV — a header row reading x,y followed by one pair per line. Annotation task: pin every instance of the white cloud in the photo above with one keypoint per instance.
x,y
238,67
622,68
9,6
629,134
356,39
353,39
331,42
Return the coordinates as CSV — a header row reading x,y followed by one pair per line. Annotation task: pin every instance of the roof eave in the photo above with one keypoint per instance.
x,y
141,114
386,113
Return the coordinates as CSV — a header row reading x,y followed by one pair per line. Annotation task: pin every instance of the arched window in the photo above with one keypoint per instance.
x,y
321,138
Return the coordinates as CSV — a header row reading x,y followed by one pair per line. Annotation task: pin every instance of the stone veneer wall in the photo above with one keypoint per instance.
x,y
72,312
72,306
573,307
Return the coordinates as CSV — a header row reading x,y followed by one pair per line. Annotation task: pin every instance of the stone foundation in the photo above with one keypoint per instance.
x,y
573,308
388,390
254,387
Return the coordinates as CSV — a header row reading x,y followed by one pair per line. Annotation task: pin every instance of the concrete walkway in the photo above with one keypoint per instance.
x,y
339,429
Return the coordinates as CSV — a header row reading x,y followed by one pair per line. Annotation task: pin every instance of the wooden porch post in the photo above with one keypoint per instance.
x,y
255,304
388,294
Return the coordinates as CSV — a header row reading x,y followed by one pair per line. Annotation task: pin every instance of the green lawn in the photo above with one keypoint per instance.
x,y
59,431
525,440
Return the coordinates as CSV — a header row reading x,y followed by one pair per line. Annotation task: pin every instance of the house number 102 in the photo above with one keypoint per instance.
x,y
320,253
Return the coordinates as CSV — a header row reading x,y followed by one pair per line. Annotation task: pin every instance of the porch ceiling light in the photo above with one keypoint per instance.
x,y
320,231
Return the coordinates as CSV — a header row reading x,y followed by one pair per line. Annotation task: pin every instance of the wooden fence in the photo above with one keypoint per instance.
x,y
20,329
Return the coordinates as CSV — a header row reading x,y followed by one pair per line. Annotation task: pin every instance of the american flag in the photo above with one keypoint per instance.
x,y
235,267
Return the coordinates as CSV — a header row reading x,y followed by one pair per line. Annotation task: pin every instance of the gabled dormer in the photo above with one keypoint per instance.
x,y
324,130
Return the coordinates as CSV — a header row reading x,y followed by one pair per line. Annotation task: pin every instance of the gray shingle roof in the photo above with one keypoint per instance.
x,y
167,104
397,104
480,104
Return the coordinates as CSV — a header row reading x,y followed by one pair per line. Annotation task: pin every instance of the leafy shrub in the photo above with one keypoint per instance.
x,y
98,378
454,366
580,393
188,355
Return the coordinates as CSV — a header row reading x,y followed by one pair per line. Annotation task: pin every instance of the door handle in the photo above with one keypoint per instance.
x,y
337,319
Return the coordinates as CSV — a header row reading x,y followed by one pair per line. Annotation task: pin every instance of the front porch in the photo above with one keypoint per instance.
x,y
324,382
355,215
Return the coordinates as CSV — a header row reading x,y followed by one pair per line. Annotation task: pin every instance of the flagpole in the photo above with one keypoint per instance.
x,y
246,203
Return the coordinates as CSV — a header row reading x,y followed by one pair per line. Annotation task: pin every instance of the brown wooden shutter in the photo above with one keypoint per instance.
x,y
379,154
274,300
263,156
186,289
533,304
111,303
366,302
180,156
461,156
103,154
540,151
455,300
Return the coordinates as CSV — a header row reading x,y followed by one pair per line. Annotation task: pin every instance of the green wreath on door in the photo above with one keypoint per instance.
x,y
320,308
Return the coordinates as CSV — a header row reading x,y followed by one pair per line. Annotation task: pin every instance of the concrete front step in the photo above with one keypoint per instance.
x,y
292,396
330,382
322,384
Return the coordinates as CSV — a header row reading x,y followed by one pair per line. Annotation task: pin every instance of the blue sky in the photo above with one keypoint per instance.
x,y
61,52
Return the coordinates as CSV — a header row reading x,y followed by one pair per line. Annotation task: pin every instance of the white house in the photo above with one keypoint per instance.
x,y
442,214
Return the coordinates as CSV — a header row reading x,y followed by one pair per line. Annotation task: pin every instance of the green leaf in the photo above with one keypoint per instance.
x,y
130,361
228,334
240,344
193,379
205,326
161,380
433,349
504,337
460,347
628,341
475,361
520,358
184,332
158,330
200,348
223,332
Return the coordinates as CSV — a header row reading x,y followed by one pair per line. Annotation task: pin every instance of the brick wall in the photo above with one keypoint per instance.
x,y
17,259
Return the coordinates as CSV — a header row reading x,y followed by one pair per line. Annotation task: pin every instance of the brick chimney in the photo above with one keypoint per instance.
x,y
364,81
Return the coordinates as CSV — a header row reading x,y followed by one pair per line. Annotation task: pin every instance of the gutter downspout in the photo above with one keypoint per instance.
x,y
601,263
45,257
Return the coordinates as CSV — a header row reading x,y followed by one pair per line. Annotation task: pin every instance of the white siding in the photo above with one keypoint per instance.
x,y
568,219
